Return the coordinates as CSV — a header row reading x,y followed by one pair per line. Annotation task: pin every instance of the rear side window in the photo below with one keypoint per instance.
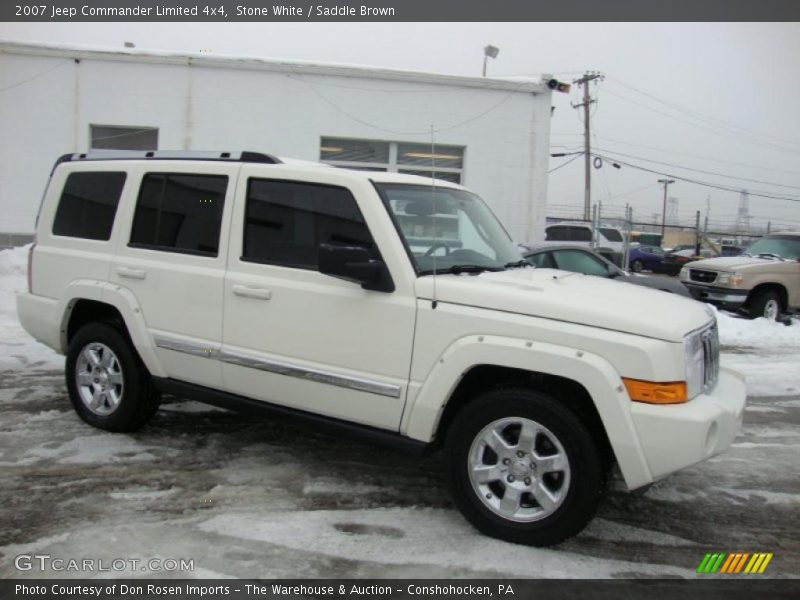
x,y
557,234
285,222
88,205
611,234
580,234
180,213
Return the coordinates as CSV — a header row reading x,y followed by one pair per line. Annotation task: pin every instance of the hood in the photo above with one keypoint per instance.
x,y
734,263
575,298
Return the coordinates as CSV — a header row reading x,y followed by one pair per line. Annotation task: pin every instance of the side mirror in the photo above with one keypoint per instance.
x,y
354,263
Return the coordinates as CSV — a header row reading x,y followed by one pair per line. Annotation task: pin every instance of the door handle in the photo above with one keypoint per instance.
x,y
131,273
250,292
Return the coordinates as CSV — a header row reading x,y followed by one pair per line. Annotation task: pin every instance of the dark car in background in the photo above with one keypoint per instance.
x,y
579,259
645,258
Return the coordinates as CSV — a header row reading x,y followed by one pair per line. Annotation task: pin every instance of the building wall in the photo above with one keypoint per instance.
x,y
283,110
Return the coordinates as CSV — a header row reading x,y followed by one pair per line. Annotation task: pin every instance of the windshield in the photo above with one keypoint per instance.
x,y
787,246
448,229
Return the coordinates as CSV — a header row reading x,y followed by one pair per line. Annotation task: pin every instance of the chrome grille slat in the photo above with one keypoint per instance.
x,y
710,339
702,276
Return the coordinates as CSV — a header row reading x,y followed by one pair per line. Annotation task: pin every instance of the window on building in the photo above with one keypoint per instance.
x,y
442,162
112,137
88,204
285,222
180,213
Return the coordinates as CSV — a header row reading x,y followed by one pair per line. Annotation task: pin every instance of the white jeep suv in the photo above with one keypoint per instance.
x,y
373,304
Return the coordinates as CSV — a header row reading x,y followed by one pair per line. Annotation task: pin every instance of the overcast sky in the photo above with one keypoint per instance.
x,y
720,98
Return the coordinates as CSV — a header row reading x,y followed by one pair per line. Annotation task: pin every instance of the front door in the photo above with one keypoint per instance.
x,y
295,337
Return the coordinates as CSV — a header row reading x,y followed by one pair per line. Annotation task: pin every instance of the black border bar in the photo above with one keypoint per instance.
x,y
401,10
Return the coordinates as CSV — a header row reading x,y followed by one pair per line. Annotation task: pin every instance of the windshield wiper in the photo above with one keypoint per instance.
x,y
517,264
771,255
458,269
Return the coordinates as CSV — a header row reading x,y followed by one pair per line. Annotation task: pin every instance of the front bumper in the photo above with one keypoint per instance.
x,y
723,297
679,435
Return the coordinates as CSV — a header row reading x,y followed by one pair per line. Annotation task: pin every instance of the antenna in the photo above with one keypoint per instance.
x,y
434,302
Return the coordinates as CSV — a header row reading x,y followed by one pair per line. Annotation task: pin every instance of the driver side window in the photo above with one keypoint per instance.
x,y
286,221
577,261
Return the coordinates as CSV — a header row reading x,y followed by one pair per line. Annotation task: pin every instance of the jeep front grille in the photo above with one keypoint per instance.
x,y
710,339
702,276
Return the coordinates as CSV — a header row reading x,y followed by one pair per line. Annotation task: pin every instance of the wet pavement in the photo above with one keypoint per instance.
x,y
244,497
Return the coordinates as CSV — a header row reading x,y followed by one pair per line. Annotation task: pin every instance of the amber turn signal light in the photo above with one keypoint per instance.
x,y
656,393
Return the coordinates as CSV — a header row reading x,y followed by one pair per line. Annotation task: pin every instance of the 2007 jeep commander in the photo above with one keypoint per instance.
x,y
374,304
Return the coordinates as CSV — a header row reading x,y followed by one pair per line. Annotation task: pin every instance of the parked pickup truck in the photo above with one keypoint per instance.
x,y
764,281
333,297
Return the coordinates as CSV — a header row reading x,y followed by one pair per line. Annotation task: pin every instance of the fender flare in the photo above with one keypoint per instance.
x,y
125,302
594,373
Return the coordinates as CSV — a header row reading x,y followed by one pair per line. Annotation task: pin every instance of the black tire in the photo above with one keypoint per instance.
x,y
758,306
586,475
138,399
637,266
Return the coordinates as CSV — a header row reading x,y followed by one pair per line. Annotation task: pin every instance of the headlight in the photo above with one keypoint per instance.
x,y
684,274
693,361
732,279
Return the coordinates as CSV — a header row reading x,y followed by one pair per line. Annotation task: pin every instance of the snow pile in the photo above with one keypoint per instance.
x,y
19,349
759,334
768,353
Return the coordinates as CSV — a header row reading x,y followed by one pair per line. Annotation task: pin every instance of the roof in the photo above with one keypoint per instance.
x,y
279,65
245,156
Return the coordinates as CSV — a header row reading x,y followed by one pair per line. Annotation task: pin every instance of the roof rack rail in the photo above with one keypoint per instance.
x,y
241,156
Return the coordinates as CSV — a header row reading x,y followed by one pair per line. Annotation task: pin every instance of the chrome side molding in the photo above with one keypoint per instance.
x,y
281,368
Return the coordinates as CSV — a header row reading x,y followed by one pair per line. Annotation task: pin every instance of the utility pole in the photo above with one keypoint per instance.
x,y
666,183
587,156
697,239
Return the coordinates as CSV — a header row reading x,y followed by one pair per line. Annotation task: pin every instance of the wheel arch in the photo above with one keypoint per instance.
x,y
783,293
589,383
89,302
485,377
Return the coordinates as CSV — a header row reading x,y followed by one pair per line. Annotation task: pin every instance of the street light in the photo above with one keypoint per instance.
x,y
666,183
489,52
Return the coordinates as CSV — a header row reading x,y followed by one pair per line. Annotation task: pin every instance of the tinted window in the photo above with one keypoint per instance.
x,y
286,222
580,262
558,233
612,235
580,234
542,260
180,213
88,205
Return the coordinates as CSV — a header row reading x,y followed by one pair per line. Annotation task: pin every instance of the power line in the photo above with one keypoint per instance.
x,y
24,81
702,116
737,137
697,182
709,158
574,158
658,162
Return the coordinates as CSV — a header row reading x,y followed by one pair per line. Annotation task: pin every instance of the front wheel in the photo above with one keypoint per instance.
x,y
767,304
108,384
523,467
637,266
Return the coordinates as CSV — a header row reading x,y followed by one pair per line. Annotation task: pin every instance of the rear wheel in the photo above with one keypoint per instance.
x,y
637,266
108,384
767,304
523,467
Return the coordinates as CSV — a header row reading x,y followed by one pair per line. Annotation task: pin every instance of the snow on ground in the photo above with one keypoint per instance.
x,y
19,349
768,353
251,498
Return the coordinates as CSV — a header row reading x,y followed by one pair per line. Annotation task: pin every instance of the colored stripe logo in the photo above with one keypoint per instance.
x,y
734,563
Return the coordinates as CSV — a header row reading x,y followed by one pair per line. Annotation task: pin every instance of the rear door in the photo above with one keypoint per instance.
x,y
172,261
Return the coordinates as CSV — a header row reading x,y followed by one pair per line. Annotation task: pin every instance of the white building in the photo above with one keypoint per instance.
x,y
489,134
